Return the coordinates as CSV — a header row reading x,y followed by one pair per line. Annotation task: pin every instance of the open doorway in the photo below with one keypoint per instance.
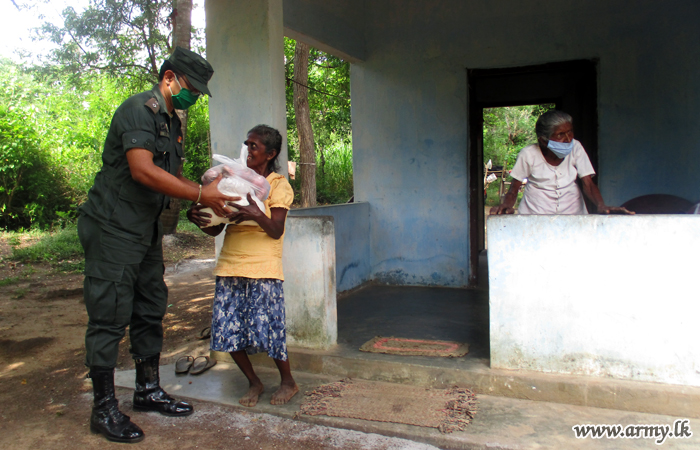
x,y
507,129
570,86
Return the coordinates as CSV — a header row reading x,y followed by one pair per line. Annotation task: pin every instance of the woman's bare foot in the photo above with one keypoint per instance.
x,y
250,399
284,394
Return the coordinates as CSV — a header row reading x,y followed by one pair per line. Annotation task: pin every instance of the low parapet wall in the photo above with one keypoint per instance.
x,y
609,296
309,282
351,240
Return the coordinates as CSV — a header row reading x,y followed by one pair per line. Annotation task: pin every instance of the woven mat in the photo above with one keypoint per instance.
x,y
447,410
415,347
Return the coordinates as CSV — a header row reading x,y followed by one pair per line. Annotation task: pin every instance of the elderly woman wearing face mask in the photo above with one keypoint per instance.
x,y
551,167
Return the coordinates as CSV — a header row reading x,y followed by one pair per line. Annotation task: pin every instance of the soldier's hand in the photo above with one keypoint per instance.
x,y
214,199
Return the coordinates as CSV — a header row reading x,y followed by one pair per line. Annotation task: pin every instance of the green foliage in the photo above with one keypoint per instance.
x,y
32,190
51,137
509,129
329,106
76,123
197,157
185,226
492,198
61,112
119,38
62,246
333,176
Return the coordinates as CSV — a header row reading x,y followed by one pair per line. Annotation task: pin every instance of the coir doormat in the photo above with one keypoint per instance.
x,y
416,347
448,410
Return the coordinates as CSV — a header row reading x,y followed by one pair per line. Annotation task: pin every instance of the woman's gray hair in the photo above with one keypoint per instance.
x,y
549,121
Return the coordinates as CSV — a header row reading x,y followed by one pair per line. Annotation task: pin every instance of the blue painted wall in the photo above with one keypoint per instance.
x,y
352,254
335,26
409,101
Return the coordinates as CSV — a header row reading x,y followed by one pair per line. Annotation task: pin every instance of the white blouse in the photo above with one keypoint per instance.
x,y
552,189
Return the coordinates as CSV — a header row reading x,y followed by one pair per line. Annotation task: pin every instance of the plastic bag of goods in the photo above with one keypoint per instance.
x,y
238,181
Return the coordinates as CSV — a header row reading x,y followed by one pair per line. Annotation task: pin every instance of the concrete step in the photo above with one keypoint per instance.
x,y
343,361
500,423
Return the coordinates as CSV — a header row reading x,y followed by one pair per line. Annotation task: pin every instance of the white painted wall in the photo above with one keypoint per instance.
x,y
607,296
245,45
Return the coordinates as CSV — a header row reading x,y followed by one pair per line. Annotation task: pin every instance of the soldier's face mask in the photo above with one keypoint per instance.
x,y
183,99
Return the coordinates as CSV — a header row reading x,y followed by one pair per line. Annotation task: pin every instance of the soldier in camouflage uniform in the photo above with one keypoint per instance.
x,y
121,233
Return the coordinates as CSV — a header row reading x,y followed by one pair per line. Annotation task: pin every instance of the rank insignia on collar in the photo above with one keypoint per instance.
x,y
179,139
152,104
164,129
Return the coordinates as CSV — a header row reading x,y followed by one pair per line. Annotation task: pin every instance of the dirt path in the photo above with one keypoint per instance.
x,y
45,399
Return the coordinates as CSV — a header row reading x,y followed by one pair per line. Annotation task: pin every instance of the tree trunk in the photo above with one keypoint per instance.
x,y
182,34
304,130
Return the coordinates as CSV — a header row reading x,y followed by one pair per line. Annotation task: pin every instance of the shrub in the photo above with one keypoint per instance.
x,y
31,188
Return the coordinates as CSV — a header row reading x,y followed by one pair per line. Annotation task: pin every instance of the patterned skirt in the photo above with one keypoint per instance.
x,y
248,314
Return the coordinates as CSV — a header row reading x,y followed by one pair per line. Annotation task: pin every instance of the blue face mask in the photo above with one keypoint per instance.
x,y
561,149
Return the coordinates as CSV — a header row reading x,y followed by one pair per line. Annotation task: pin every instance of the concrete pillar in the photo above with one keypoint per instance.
x,y
245,45
309,282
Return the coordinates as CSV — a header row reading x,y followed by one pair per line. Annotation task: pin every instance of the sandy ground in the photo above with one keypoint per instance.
x,y
45,399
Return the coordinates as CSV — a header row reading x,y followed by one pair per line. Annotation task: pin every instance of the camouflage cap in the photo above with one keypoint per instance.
x,y
197,69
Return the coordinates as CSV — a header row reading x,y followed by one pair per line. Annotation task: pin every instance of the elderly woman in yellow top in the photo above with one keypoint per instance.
x,y
551,167
248,314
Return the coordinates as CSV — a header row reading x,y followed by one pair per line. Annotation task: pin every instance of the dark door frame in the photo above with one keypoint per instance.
x,y
571,85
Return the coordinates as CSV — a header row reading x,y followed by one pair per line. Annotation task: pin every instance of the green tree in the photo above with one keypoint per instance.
x,y
509,129
329,108
198,150
32,190
126,39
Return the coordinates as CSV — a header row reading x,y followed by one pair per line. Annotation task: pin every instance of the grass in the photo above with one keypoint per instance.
x,y
492,198
184,225
8,281
60,248
334,183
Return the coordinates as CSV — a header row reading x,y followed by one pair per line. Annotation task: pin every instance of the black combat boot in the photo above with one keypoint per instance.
x,y
106,418
150,396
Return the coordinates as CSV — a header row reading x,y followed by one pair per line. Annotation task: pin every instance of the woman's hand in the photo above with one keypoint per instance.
x,y
591,191
273,226
501,209
508,200
249,212
197,217
604,209
202,219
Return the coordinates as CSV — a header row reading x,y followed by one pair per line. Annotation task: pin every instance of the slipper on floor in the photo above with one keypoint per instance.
x,y
183,364
202,364
205,333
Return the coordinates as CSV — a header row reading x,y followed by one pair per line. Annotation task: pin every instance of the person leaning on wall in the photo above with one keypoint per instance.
x,y
551,167
121,233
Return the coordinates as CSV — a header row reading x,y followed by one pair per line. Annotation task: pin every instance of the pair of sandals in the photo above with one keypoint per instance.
x,y
200,364
193,366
